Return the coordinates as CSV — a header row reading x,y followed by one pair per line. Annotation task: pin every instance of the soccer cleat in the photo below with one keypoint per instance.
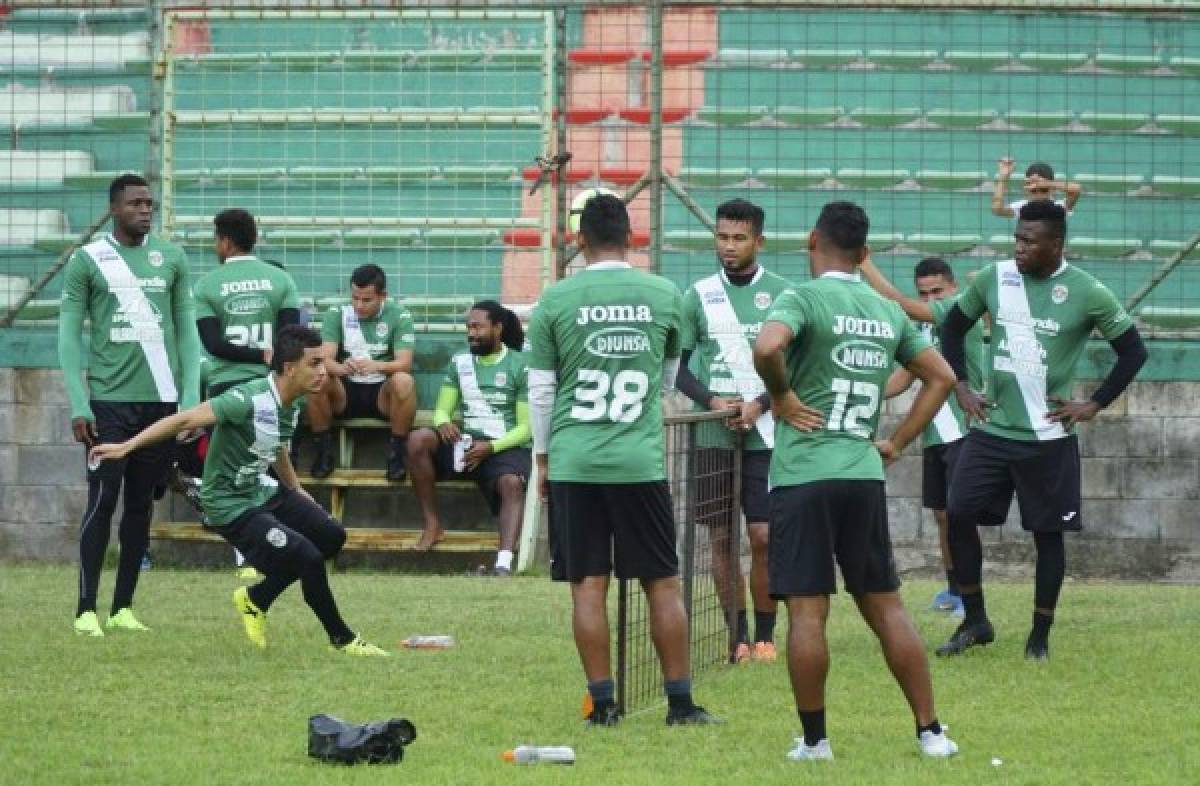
x,y
254,619
322,464
1037,650
741,653
819,752
248,573
937,745
362,648
88,624
967,635
124,620
764,652
502,573
396,472
694,715
603,715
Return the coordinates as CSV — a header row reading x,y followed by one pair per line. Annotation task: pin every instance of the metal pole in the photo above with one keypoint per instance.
x,y
622,644
655,168
676,188
550,93
10,314
164,74
689,521
154,151
1162,273
560,142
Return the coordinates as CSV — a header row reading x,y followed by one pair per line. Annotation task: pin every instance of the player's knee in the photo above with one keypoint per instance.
x,y
401,384
307,556
759,537
423,440
510,486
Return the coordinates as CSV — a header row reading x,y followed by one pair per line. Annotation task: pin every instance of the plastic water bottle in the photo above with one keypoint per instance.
x,y
428,642
460,451
532,754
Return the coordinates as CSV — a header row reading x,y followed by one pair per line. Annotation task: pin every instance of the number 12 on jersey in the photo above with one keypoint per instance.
x,y
618,397
847,417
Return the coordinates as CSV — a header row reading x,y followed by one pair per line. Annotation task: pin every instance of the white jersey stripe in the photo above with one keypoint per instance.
x,y
1024,350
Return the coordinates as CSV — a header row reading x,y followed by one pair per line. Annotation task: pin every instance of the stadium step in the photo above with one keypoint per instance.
x,y
735,57
1189,66
951,181
705,177
1188,125
731,116
1038,121
1176,186
961,118
1114,121
872,178
902,58
932,243
807,116
977,60
884,118
445,117
1127,63
826,58
357,538
1102,246
43,167
1109,184
793,178
30,227
1053,61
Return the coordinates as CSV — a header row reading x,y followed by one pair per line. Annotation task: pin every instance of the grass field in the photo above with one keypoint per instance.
x,y
193,703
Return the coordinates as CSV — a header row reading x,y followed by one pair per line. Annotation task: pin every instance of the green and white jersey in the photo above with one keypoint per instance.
x,y
252,427
1040,328
950,422
846,338
245,295
605,333
133,296
489,392
720,322
378,338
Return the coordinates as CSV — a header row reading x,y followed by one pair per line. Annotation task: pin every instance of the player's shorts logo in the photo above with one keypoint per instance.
x,y
762,300
1059,294
156,258
381,329
277,537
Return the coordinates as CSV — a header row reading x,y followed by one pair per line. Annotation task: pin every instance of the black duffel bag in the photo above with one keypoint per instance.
x,y
382,742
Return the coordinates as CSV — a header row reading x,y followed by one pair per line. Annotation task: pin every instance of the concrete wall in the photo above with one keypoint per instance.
x,y
1141,476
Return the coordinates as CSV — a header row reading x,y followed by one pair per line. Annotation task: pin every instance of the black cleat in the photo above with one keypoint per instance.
x,y
966,636
1038,650
604,715
396,472
323,463
694,715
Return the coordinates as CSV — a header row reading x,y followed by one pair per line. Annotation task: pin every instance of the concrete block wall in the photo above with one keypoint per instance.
x,y
1141,483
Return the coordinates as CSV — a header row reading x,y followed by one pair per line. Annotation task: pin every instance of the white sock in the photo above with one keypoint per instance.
x,y
504,559
238,559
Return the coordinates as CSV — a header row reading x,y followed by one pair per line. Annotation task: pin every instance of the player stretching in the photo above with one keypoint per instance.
x,y
1042,312
943,436
830,343
276,525
144,358
605,343
722,315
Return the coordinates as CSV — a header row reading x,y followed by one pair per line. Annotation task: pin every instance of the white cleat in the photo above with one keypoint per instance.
x,y
937,745
819,752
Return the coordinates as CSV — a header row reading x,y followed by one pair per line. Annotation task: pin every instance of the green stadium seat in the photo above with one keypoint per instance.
x,y
75,52
1169,248
1038,121
1127,63
20,106
688,238
55,243
326,173
1114,121
785,242
961,118
43,166
935,243
1102,246
1053,61
440,117
382,237
743,58
124,121
293,236
826,58
402,173
885,118
444,58
247,175
974,60
26,227
1186,65
872,178
702,176
1169,317
482,173
884,241
950,181
732,115
1110,184
1002,244
462,237
791,179
807,116
515,58
1188,125
1176,186
902,58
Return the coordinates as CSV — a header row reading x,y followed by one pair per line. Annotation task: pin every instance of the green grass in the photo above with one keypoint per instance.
x,y
192,702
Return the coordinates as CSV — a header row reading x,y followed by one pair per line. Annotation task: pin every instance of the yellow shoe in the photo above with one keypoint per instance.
x,y
88,624
254,619
764,652
124,620
248,573
362,648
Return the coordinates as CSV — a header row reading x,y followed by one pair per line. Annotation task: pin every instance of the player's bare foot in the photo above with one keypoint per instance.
x,y
429,539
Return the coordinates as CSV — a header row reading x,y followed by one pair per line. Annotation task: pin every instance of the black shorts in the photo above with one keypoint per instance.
x,y
714,486
362,400
936,471
1044,475
117,421
514,461
279,536
815,523
622,528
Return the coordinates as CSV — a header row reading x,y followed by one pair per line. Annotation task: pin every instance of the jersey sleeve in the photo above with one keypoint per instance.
x,y
232,406
940,308
291,297
1106,312
543,355
76,284
331,325
522,381
675,329
182,301
973,301
911,342
404,332
691,325
450,380
205,305
789,309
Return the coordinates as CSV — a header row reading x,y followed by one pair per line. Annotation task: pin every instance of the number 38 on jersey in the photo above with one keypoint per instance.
x,y
616,398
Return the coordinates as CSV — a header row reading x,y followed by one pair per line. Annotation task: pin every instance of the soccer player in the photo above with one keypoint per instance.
x,y
1042,312
722,315
825,353
369,352
143,360
490,381
276,524
937,291
604,345
1039,184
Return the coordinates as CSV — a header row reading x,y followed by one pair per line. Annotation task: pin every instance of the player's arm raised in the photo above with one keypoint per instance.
x,y
914,308
937,380
198,417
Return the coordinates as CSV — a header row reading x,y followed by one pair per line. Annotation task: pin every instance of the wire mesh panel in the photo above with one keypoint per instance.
x,y
706,493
